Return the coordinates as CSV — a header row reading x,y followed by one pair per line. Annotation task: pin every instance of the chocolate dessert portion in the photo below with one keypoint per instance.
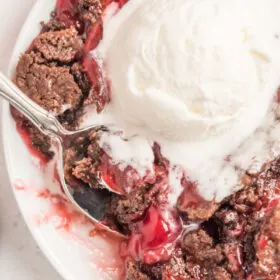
x,y
62,46
238,238
52,87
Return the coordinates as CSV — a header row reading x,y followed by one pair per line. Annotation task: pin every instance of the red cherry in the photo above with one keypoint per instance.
x,y
111,182
94,35
155,237
121,180
65,4
98,83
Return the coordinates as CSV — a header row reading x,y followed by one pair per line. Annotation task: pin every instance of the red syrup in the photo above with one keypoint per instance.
x,y
155,237
99,85
94,70
59,209
122,3
122,180
65,5
107,259
262,242
56,178
190,198
65,218
66,13
35,152
94,35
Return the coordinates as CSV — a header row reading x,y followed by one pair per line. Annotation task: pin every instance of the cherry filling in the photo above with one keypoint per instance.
x,y
155,236
94,35
121,180
43,159
66,13
190,198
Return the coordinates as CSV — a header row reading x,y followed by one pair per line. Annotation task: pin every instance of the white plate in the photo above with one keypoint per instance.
x,y
73,252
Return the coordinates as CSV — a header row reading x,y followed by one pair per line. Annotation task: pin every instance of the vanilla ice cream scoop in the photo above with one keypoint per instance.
x,y
188,69
199,78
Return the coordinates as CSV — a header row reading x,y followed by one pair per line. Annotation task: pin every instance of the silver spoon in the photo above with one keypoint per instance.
x,y
91,202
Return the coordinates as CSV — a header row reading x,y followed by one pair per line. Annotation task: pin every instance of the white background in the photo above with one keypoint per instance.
x,y
20,259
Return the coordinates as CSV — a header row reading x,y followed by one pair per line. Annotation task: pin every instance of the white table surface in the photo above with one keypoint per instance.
x,y
20,259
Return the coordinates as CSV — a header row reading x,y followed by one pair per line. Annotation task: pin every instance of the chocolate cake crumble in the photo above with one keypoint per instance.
x,y
238,238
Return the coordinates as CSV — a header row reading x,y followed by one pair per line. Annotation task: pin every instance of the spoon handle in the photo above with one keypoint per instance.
x,y
42,119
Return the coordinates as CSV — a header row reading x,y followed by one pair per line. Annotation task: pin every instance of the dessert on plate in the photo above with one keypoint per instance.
x,y
188,91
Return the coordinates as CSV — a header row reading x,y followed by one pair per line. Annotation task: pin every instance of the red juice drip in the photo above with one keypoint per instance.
x,y
94,36
43,159
99,85
56,178
59,208
262,242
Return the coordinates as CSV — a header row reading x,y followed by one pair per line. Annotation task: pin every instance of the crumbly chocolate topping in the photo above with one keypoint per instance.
x,y
54,24
52,87
62,46
131,208
90,10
